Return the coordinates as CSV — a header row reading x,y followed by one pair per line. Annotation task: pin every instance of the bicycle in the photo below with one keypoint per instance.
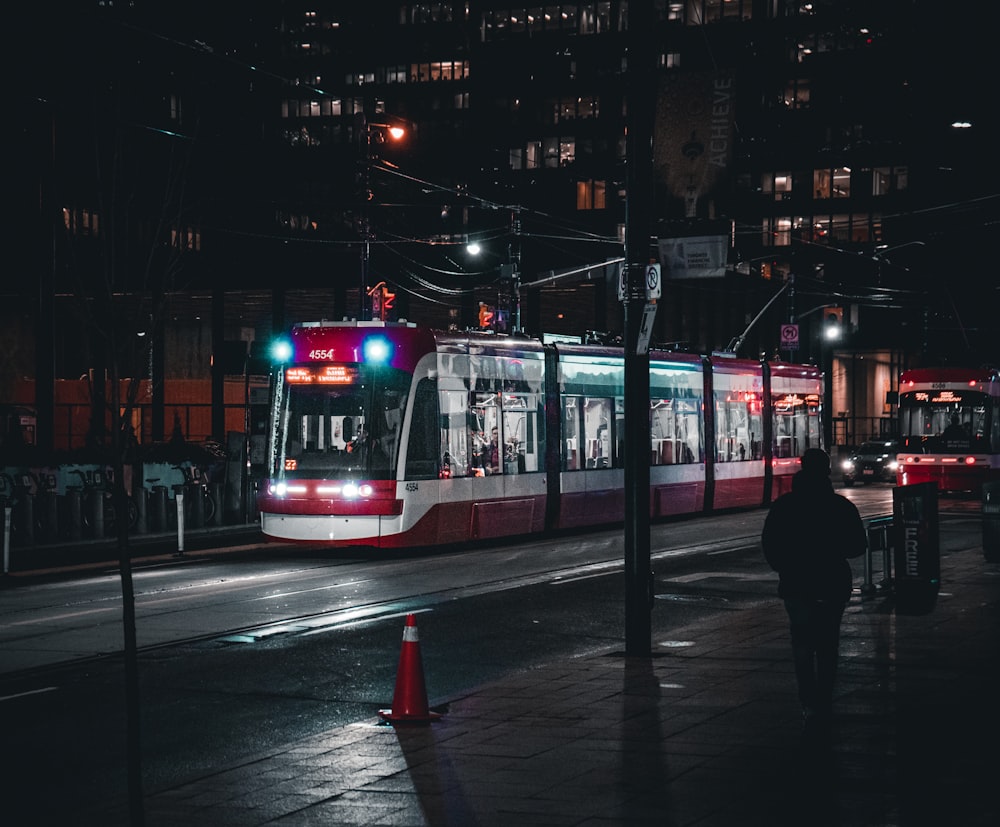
x,y
192,477
103,485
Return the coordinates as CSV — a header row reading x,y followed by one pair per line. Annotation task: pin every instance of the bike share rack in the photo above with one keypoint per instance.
x,y
879,530
75,503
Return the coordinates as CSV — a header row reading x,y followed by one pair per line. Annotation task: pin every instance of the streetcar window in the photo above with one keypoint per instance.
x,y
423,443
455,434
675,423
597,432
946,422
619,432
796,424
738,424
521,446
591,389
593,435
572,459
485,434
348,428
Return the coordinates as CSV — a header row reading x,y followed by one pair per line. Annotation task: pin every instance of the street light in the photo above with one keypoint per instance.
x,y
833,323
369,130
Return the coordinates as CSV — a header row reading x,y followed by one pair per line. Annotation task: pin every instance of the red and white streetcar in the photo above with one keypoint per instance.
x,y
949,427
392,435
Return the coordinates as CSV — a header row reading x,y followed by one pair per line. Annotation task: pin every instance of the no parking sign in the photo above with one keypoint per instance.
x,y
789,337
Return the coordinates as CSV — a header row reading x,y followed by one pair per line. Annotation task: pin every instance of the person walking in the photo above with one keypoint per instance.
x,y
809,534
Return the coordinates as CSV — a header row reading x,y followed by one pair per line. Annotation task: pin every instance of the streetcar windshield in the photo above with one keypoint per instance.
x,y
944,421
339,421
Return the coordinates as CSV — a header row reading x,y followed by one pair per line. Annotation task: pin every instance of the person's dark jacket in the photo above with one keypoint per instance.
x,y
808,536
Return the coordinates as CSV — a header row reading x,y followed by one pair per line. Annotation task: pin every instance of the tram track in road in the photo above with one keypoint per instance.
x,y
375,612
336,591
157,598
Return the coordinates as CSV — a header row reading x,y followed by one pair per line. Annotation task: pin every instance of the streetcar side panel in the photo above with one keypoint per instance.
x,y
591,393
737,394
796,406
678,438
474,440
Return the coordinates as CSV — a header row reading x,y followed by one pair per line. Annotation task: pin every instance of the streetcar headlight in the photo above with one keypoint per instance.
x,y
279,489
351,490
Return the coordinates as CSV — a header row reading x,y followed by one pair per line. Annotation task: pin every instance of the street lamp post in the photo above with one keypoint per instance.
x,y
367,129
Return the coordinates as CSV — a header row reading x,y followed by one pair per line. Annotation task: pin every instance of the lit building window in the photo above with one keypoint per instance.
x,y
533,155
81,222
186,238
551,153
777,232
778,184
567,152
832,183
796,94
590,195
888,179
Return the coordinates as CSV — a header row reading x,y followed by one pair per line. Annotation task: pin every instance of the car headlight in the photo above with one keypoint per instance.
x,y
847,465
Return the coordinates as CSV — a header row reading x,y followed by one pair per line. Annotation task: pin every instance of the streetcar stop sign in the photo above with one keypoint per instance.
x,y
790,337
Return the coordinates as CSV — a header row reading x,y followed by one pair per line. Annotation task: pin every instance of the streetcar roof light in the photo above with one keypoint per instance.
x,y
281,350
377,350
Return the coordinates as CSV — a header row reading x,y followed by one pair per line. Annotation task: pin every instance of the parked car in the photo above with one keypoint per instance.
x,y
874,461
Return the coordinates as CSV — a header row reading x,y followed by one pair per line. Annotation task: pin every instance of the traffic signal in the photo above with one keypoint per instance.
x,y
486,315
382,301
833,322
388,299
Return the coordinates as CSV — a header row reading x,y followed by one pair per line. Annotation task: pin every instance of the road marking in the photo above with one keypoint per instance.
x,y
31,692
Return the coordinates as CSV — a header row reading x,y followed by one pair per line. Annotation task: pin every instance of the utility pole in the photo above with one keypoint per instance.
x,y
515,263
640,108
365,136
365,140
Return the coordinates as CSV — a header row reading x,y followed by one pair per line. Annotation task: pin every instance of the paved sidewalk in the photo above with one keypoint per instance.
x,y
706,732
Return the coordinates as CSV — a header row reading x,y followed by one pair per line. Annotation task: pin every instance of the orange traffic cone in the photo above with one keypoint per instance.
x,y
409,701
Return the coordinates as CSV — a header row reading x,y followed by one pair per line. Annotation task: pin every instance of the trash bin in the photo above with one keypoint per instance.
x,y
917,548
991,521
